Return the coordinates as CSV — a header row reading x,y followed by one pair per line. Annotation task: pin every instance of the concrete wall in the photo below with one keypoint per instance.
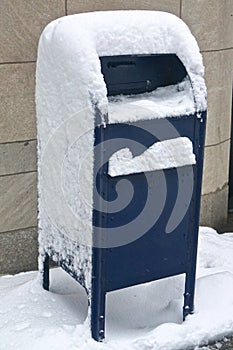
x,y
21,22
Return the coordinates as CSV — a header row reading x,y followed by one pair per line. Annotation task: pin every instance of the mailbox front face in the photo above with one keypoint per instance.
x,y
149,250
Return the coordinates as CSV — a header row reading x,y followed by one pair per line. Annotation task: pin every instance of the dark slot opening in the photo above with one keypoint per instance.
x,y
135,74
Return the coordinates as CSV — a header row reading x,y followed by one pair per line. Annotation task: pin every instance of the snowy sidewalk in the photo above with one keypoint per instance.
x,y
144,317
225,344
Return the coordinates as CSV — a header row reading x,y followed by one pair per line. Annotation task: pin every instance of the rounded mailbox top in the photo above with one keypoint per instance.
x,y
69,69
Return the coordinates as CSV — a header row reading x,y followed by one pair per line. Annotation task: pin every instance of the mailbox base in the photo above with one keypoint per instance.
x,y
97,302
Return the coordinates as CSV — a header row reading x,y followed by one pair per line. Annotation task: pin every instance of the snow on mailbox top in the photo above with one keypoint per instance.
x,y
70,47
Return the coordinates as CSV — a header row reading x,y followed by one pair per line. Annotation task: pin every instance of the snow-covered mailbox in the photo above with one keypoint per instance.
x,y
121,111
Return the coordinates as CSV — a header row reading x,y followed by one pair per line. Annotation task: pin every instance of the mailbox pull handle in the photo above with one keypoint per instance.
x,y
123,64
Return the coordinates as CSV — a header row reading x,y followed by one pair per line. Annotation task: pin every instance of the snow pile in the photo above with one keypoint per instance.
x,y
166,154
143,317
174,100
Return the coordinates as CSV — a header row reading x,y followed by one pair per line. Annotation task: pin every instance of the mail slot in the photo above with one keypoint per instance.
x,y
132,181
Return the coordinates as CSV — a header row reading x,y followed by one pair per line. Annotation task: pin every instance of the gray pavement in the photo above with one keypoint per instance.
x,y
225,344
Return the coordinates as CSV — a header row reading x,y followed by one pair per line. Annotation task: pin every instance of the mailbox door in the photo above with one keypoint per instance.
x,y
154,253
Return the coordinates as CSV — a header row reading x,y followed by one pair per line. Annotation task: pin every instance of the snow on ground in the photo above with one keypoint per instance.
x,y
143,317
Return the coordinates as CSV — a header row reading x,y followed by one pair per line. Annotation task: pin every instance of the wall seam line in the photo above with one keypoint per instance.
x,y
217,50
16,62
18,229
219,189
217,144
66,7
20,141
20,173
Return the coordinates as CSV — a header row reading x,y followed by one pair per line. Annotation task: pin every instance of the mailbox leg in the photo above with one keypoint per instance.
x,y
188,304
189,288
98,315
191,266
46,272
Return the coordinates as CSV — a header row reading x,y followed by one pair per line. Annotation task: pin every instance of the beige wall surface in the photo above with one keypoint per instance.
x,y
21,23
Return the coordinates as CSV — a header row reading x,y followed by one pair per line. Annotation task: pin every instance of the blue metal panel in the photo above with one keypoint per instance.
x,y
156,254
163,261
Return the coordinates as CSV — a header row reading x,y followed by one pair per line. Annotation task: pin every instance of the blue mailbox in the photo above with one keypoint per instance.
x,y
148,148
159,252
